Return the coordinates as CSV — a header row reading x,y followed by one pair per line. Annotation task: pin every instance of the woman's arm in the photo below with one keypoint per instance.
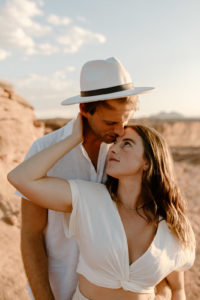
x,y
30,176
176,283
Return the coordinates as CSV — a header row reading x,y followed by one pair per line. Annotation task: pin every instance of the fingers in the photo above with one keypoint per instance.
x,y
78,128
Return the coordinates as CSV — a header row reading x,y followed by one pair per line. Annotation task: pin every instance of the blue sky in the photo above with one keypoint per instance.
x,y
43,45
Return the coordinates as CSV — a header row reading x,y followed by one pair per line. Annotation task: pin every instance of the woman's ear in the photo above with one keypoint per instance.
x,y
146,165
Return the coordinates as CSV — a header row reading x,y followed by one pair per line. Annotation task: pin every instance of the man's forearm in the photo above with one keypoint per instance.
x,y
163,291
36,266
178,294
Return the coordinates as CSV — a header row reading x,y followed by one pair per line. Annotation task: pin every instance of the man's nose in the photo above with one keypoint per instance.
x,y
119,129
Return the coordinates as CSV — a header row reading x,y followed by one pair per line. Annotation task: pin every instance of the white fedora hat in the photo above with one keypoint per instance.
x,y
104,80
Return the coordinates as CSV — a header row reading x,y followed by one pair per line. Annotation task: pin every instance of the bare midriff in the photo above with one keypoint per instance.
x,y
94,292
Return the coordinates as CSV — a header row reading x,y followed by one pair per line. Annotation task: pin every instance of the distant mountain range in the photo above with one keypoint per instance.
x,y
167,116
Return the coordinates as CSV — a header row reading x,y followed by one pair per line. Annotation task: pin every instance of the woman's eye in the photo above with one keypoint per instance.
x,y
127,144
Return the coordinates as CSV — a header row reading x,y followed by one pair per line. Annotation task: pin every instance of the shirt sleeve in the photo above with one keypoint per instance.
x,y
70,221
185,260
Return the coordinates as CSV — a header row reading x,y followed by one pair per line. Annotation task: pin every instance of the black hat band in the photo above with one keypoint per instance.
x,y
114,89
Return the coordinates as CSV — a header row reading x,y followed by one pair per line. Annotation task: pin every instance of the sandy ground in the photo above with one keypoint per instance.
x,y
189,178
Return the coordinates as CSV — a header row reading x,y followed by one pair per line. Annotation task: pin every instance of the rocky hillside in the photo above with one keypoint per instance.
x,y
178,133
18,129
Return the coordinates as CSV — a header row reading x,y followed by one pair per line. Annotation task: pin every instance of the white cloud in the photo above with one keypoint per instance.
x,y
20,39
58,80
56,20
40,2
20,13
76,37
48,88
18,28
4,54
81,19
70,69
23,29
47,49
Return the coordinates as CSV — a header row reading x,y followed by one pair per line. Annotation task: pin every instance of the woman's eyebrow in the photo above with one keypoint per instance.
x,y
128,140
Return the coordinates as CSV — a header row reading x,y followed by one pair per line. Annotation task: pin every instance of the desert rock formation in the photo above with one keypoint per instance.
x,y
17,132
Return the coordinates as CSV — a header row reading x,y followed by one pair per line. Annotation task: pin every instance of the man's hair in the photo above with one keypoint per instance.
x,y
92,106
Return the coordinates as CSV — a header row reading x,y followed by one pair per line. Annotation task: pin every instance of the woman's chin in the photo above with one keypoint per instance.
x,y
111,174
108,172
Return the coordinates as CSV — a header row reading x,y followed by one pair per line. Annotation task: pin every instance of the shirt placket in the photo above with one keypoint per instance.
x,y
93,173
103,152
96,176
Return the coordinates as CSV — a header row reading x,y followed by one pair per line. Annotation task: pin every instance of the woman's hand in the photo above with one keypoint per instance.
x,y
77,131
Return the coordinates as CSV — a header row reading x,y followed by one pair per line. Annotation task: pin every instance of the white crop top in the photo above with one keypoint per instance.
x,y
104,259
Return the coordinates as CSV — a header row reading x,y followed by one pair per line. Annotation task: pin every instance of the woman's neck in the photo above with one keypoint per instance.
x,y
129,191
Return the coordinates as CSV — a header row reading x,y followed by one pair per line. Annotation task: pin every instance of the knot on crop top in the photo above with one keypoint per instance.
x,y
104,259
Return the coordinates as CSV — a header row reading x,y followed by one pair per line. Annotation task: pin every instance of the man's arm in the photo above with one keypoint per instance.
x,y
163,291
34,221
176,283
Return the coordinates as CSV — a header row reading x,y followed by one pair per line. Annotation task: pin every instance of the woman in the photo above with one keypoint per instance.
x,y
133,232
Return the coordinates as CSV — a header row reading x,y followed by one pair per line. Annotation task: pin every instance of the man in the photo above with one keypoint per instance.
x,y
108,100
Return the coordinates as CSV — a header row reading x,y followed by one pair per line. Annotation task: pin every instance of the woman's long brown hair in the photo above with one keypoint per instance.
x,y
160,192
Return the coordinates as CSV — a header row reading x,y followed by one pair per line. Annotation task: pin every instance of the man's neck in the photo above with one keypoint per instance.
x,y
92,145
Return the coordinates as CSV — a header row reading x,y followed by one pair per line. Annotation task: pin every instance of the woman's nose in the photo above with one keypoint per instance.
x,y
113,148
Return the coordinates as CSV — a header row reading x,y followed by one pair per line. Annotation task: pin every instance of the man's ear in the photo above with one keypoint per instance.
x,y
82,110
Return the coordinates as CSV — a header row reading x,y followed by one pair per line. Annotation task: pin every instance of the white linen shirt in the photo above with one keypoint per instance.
x,y
63,252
